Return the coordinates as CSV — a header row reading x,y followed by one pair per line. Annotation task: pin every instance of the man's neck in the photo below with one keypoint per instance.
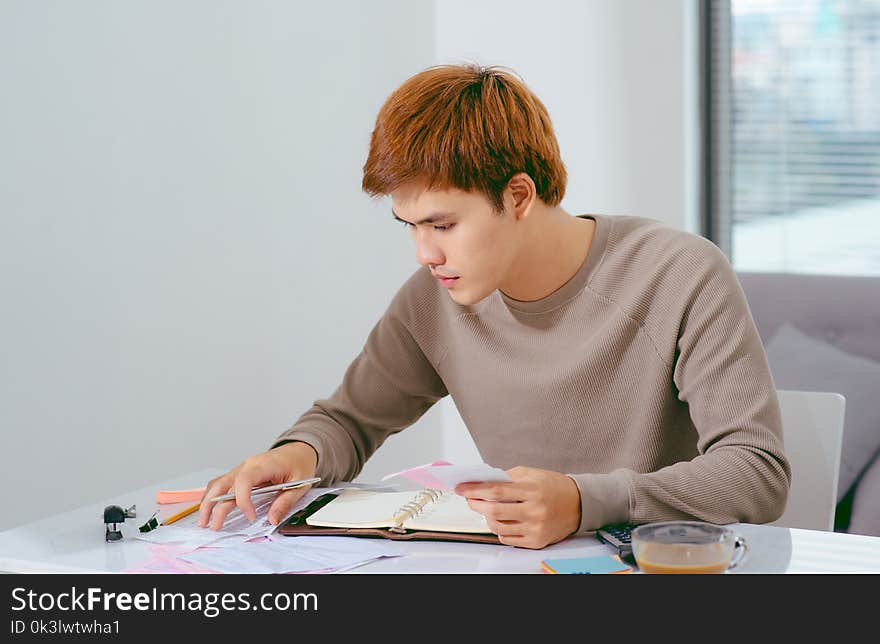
x,y
558,244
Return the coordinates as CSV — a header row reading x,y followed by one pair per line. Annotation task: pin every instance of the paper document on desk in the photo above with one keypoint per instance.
x,y
236,528
441,475
293,554
164,561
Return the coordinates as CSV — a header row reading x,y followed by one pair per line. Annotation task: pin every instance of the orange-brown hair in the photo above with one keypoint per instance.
x,y
465,127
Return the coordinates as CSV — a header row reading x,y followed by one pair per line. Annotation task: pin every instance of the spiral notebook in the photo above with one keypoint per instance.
x,y
426,514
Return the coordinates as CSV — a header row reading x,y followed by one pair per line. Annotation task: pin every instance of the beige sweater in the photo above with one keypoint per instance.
x,y
643,378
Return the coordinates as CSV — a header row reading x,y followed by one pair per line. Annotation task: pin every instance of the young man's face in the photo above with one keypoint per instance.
x,y
459,235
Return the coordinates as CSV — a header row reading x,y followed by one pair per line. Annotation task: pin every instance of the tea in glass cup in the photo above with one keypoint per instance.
x,y
687,547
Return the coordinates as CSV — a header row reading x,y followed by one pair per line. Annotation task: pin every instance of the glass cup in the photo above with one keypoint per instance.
x,y
689,547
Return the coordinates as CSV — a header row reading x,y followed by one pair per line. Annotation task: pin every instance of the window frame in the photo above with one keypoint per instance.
x,y
715,105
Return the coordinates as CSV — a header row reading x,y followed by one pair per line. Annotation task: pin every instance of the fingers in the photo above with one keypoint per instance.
x,y
520,534
522,541
281,506
274,466
497,492
536,509
239,481
218,516
503,505
506,529
502,512
521,488
212,514
242,486
215,487
514,533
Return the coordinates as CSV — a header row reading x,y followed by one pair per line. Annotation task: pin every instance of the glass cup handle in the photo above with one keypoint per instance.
x,y
740,550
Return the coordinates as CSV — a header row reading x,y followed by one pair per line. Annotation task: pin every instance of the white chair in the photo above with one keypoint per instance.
x,y
812,426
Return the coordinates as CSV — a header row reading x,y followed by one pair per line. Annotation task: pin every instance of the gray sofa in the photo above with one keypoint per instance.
x,y
822,333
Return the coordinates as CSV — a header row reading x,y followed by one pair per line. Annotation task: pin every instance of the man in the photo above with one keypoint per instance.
x,y
610,364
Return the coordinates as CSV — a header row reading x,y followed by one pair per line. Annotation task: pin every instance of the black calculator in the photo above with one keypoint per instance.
x,y
619,536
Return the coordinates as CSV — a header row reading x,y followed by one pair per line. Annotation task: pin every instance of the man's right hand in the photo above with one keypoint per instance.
x,y
289,462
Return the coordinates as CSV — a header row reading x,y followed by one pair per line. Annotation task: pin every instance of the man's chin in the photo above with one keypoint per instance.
x,y
466,298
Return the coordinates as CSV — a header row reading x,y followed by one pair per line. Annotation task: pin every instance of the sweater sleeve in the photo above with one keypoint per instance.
x,y
387,387
720,372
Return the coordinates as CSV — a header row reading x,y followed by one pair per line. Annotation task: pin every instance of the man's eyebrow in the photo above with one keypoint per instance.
x,y
430,219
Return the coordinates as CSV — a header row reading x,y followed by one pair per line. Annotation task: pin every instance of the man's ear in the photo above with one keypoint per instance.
x,y
520,195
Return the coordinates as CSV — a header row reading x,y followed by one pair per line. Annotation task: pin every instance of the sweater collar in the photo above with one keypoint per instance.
x,y
577,282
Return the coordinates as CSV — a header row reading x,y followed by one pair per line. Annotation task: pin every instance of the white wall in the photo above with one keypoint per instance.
x,y
619,80
187,258
615,77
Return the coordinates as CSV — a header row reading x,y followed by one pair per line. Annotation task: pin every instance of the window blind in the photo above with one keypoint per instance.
x,y
793,119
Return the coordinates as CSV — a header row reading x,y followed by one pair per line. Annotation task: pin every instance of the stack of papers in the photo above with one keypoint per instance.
x,y
236,528
243,546
293,554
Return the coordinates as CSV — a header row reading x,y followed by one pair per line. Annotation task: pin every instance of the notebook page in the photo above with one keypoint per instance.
x,y
449,513
361,509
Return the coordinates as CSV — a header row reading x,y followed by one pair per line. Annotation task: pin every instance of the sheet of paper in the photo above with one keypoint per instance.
x,y
441,475
421,474
164,561
293,554
236,528
187,535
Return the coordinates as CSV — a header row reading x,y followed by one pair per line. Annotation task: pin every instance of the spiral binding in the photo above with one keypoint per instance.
x,y
413,508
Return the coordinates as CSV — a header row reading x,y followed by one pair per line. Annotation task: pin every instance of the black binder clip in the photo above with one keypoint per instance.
x,y
151,524
114,514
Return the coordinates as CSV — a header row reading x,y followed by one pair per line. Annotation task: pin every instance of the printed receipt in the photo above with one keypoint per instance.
x,y
440,475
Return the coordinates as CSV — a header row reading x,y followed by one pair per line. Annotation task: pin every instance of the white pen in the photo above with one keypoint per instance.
x,y
271,488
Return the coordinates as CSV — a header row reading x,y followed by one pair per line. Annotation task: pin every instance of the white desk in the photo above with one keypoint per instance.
x,y
74,542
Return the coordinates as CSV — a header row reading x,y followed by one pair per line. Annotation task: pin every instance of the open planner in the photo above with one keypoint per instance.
x,y
425,514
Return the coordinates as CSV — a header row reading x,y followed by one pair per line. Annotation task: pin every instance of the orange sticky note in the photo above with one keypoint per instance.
x,y
179,496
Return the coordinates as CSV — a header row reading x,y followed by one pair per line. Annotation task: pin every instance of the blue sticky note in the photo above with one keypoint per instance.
x,y
599,565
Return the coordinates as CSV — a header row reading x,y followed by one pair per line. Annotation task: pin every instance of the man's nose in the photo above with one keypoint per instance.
x,y
427,251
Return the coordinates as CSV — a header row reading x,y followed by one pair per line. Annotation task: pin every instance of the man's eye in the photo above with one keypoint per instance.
x,y
439,227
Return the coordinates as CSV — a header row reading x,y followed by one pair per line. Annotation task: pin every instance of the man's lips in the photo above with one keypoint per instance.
x,y
446,282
